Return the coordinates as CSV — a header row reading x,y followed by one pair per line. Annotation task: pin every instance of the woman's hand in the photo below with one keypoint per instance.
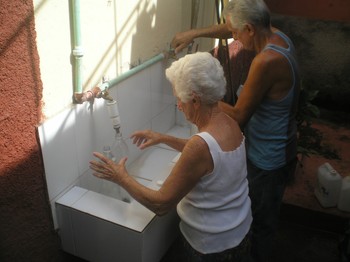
x,y
146,138
107,169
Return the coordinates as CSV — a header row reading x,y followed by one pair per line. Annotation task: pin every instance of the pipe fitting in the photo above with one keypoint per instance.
x,y
89,95
105,95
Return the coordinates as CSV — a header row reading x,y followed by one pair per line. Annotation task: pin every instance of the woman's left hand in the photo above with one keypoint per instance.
x,y
107,169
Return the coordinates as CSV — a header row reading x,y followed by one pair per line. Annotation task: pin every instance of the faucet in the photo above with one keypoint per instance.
x,y
95,92
104,94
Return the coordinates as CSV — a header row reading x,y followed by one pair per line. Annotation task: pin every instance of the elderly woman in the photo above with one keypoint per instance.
x,y
208,183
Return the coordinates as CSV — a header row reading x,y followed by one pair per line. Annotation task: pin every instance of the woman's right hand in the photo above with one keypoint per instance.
x,y
145,138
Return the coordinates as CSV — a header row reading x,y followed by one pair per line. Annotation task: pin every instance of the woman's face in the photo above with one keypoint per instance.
x,y
187,108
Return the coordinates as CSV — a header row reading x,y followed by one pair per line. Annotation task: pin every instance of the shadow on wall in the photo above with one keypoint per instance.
x,y
324,58
147,14
143,24
26,231
26,224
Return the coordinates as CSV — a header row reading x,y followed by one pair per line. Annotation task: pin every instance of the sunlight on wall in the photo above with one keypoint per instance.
x,y
116,35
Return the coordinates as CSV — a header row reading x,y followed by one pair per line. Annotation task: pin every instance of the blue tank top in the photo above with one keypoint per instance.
x,y
271,132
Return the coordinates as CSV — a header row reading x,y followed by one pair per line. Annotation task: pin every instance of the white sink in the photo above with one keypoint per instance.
x,y
97,225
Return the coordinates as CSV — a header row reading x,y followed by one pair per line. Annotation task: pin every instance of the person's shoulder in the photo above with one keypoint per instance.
x,y
197,142
261,62
267,58
196,149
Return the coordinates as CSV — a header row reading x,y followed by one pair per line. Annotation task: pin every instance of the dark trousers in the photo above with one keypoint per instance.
x,y
266,190
236,254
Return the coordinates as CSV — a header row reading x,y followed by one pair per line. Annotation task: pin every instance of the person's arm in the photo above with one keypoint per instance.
x,y
255,88
183,39
195,161
147,138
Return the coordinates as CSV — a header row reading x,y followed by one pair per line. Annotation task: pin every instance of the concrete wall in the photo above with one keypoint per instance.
x,y
324,58
330,10
320,30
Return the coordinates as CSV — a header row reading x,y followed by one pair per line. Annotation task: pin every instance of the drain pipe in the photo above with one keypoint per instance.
x,y
77,53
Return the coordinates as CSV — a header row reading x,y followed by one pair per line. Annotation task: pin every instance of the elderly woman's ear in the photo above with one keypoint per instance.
x,y
196,101
195,98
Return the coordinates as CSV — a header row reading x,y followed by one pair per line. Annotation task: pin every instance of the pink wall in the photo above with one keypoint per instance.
x,y
26,230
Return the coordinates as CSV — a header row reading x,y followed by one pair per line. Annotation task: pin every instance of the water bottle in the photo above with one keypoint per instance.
x,y
107,152
120,150
106,187
119,147
328,185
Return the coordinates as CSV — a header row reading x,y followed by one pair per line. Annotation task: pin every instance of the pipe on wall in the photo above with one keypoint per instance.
x,y
78,53
77,48
107,84
101,91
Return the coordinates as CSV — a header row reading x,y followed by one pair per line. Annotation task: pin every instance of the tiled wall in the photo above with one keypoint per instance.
x,y
67,140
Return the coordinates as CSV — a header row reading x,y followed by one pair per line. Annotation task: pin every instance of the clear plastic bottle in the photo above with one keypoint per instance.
x,y
120,150
109,188
107,152
119,147
106,187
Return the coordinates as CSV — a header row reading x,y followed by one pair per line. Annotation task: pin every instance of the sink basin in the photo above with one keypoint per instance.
x,y
99,221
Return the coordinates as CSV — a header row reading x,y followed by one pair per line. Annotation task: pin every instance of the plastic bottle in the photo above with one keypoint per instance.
x,y
328,185
119,150
109,188
108,153
344,196
119,147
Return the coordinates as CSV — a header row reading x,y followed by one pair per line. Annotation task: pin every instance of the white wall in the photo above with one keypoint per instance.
x,y
115,35
68,139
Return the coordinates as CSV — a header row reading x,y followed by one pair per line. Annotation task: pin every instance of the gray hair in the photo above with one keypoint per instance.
x,y
199,73
241,12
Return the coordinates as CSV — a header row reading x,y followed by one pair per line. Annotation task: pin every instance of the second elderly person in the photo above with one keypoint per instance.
x,y
265,110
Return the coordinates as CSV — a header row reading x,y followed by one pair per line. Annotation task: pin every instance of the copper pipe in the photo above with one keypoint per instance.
x,y
89,95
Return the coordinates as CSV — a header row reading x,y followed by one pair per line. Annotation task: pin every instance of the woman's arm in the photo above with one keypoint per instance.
x,y
194,162
147,138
